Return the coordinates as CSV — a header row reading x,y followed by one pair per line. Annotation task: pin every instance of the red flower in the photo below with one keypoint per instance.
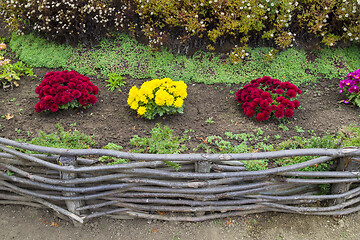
x,y
258,98
279,91
291,93
291,105
48,98
89,88
264,104
92,99
54,107
285,101
281,107
250,113
57,99
95,90
288,113
38,107
296,103
279,114
83,101
280,99
37,89
76,93
265,95
53,91
260,117
71,85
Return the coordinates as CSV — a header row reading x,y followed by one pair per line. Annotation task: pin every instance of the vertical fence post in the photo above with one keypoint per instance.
x,y
202,167
344,164
72,163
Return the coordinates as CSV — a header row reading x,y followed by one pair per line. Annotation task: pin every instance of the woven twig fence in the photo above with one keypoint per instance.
x,y
207,186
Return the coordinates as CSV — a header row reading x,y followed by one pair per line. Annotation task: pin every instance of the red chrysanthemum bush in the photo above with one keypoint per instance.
x,y
65,89
265,97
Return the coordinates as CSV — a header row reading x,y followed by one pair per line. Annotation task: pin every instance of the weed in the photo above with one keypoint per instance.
x,y
112,160
209,120
161,141
12,100
116,81
277,136
259,132
299,129
63,139
283,127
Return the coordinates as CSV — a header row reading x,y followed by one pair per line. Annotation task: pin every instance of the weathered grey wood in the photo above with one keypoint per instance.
x,y
209,185
345,164
70,162
201,167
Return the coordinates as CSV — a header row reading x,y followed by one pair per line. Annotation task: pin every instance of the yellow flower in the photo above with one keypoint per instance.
x,y
141,110
143,99
169,99
132,95
134,105
160,97
178,102
180,89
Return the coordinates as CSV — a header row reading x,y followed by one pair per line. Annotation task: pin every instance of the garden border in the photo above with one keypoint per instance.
x,y
207,186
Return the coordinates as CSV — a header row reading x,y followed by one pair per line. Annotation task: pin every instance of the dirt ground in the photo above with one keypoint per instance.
x,y
111,120
18,222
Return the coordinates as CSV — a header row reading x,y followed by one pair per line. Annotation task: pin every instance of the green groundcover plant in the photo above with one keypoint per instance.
x,y
266,96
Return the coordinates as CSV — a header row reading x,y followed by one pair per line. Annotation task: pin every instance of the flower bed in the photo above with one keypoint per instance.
x,y
207,186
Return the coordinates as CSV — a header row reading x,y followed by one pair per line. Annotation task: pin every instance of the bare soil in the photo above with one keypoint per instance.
x,y
111,120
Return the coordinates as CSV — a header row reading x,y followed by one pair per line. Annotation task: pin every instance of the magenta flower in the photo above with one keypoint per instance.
x,y
354,89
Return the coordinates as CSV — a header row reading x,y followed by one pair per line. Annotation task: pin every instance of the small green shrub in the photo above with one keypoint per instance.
x,y
10,73
116,81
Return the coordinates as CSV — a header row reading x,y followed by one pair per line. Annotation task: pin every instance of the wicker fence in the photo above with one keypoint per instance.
x,y
207,186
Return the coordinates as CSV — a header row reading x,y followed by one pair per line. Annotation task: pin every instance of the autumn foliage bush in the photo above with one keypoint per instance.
x,y
196,23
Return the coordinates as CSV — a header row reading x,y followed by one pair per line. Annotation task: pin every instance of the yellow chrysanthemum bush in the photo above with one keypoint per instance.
x,y
158,97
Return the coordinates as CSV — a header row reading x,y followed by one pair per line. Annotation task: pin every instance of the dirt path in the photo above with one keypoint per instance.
x,y
19,222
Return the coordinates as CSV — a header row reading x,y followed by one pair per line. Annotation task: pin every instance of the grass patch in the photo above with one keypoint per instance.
x,y
125,56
